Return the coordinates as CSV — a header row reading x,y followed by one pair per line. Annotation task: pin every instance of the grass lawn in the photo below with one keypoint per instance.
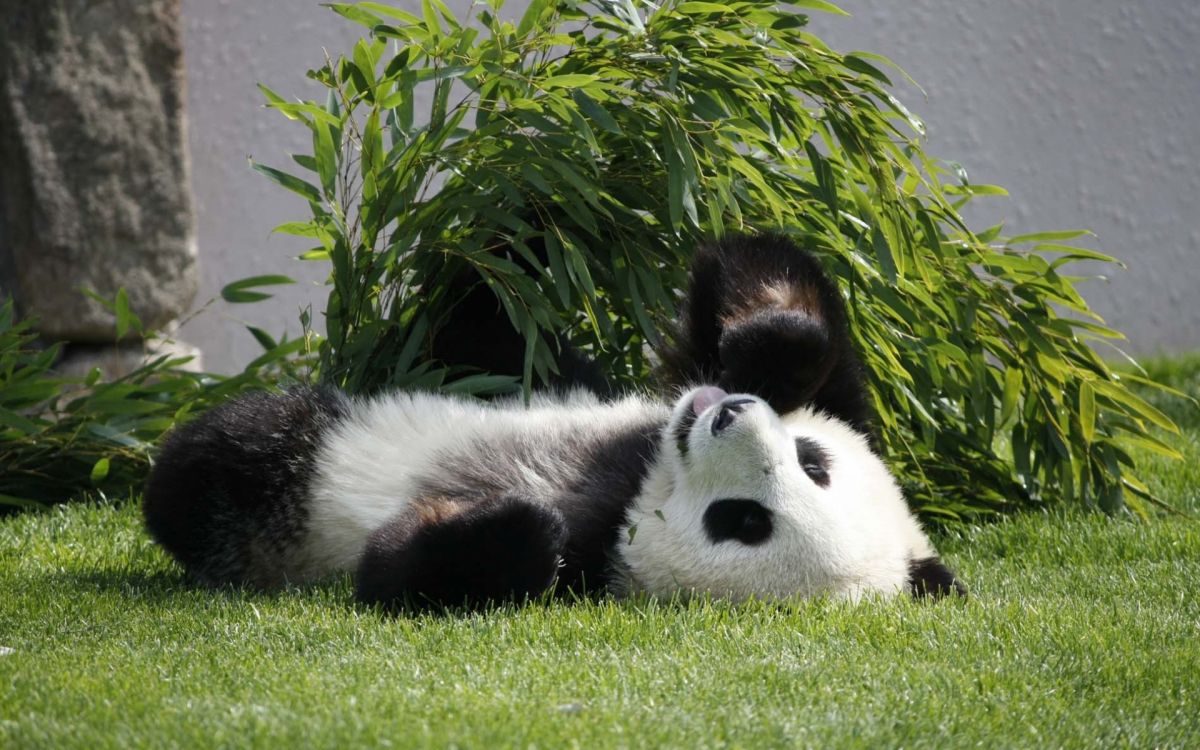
x,y
1082,631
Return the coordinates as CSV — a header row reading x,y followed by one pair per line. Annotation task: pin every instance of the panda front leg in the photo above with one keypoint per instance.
x,y
448,552
761,316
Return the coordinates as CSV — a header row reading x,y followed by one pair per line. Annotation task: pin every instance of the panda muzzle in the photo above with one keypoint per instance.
x,y
728,412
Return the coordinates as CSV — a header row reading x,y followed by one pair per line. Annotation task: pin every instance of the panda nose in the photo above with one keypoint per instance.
x,y
706,397
728,412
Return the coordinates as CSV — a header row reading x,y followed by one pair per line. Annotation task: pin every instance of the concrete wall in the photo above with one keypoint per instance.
x,y
1088,111
229,47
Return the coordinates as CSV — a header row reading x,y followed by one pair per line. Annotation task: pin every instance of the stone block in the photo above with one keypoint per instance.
x,y
94,186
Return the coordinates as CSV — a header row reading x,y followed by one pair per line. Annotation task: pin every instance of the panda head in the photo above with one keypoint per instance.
x,y
744,502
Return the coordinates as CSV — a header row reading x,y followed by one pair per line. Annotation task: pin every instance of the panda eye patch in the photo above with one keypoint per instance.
x,y
745,521
814,460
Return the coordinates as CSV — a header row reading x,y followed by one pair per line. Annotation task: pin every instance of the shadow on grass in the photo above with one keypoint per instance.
x,y
171,588
166,587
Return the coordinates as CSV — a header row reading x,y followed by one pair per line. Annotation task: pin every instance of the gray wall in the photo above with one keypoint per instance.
x,y
1088,111
229,47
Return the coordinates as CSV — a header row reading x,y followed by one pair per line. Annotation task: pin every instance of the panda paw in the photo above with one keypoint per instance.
x,y
784,356
463,554
930,578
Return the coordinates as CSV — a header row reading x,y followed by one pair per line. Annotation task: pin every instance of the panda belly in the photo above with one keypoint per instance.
x,y
367,471
404,450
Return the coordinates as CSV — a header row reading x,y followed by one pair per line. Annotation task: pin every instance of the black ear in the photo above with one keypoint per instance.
x,y
929,577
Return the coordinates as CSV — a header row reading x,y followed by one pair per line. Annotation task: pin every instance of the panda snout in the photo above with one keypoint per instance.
x,y
711,416
727,413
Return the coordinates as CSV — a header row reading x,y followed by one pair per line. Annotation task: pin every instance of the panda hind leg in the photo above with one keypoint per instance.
x,y
448,553
761,316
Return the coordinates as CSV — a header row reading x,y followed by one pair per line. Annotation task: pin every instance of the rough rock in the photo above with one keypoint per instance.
x,y
94,184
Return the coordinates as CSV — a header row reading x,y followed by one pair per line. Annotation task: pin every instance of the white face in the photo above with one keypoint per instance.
x,y
745,503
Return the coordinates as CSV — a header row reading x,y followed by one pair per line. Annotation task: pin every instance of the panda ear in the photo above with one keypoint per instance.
x,y
929,577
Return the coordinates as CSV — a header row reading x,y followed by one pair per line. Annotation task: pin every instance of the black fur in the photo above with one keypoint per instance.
x,y
814,460
594,504
743,521
595,479
493,549
682,430
478,333
791,346
229,490
728,412
929,577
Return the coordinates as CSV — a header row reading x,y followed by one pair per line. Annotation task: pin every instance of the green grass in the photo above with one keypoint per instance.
x,y
1082,631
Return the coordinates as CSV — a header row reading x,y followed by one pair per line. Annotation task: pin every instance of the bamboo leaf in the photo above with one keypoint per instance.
x,y
595,112
291,182
532,15
820,5
568,81
124,315
325,157
99,471
702,8
240,291
1087,411
385,10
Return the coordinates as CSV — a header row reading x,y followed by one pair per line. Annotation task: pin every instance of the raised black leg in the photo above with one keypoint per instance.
x,y
477,333
761,316
447,553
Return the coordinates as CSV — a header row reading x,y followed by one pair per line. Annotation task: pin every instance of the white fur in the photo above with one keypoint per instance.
x,y
854,537
367,467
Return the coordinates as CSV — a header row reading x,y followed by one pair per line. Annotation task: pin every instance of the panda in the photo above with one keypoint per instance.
x,y
757,479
